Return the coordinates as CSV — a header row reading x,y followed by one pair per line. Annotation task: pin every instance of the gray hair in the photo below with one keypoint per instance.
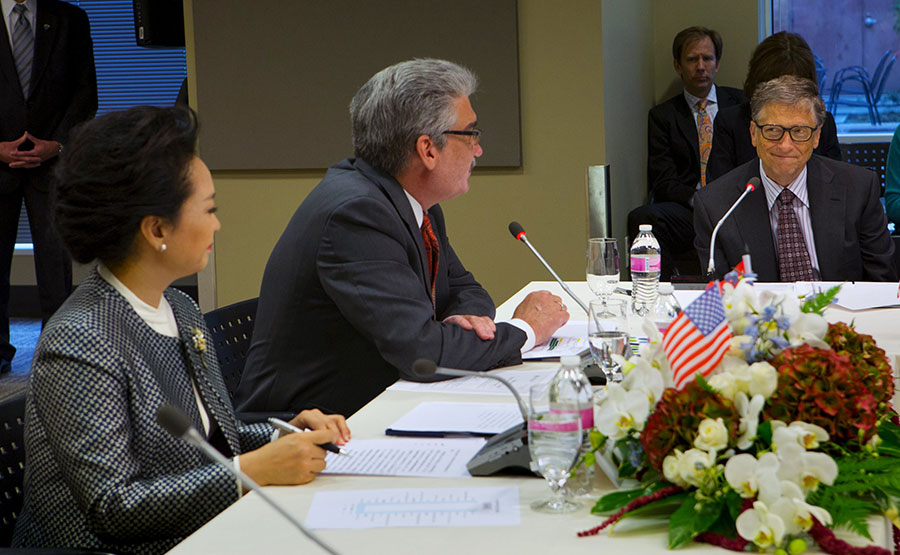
x,y
402,102
790,90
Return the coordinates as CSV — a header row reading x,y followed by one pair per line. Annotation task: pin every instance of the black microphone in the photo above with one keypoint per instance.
x,y
752,184
519,233
425,368
176,423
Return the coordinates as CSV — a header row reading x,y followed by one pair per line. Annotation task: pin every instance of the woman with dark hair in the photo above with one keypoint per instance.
x,y
779,54
100,472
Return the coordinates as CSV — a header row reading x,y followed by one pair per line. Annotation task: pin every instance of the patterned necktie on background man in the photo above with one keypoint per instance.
x,y
705,134
793,257
23,47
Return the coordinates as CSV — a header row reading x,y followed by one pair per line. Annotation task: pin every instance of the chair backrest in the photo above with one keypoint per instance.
x,y
878,84
12,465
867,155
876,75
821,74
231,328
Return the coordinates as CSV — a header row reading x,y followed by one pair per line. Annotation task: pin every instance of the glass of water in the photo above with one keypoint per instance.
x,y
608,335
603,266
554,439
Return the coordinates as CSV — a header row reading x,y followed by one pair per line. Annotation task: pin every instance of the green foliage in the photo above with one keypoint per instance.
x,y
614,501
819,302
691,518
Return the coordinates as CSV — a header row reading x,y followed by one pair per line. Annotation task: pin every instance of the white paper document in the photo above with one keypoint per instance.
x,y
432,457
570,339
436,419
855,296
419,507
521,380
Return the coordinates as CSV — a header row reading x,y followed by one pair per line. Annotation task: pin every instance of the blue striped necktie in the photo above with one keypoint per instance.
x,y
23,47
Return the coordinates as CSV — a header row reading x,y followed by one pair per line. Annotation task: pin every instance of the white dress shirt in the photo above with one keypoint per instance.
x,y
801,209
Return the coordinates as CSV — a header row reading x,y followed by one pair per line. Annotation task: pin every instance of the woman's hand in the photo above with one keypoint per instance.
x,y
289,460
315,420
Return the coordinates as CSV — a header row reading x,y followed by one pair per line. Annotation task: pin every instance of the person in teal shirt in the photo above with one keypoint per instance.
x,y
892,180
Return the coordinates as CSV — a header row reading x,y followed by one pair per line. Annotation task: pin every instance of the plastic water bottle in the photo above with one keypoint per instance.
x,y
667,307
571,378
645,263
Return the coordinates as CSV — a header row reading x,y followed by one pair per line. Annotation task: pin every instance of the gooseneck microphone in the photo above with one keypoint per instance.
x,y
425,368
177,424
519,233
751,185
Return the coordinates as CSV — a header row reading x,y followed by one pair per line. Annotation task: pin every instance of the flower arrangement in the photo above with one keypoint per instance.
x,y
791,436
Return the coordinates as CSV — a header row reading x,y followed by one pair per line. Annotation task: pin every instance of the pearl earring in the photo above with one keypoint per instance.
x,y
162,248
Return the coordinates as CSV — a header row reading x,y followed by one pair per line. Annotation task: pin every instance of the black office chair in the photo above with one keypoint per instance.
x,y
867,155
231,328
12,464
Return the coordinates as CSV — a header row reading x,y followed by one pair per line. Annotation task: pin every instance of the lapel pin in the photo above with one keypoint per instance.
x,y
46,26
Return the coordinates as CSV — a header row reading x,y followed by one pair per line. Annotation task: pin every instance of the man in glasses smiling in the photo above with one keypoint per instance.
x,y
813,218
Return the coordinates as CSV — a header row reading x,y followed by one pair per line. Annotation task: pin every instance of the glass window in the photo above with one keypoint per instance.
x,y
856,43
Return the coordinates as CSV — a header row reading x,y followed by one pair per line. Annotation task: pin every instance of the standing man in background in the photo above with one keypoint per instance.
x,y
679,140
48,84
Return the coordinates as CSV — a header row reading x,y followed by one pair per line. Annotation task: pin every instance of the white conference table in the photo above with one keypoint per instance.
x,y
252,526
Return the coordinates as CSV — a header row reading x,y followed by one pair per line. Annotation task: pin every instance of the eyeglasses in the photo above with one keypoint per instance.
x,y
475,134
773,132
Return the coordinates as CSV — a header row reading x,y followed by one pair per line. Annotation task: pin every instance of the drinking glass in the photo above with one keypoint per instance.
x,y
608,335
554,439
603,266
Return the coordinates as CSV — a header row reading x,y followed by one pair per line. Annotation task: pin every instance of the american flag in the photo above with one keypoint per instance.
x,y
698,338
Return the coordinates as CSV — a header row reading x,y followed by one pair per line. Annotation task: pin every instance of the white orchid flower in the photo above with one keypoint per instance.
x,y
760,526
747,475
807,469
724,383
621,411
644,377
749,410
712,435
763,379
808,436
808,328
796,513
694,464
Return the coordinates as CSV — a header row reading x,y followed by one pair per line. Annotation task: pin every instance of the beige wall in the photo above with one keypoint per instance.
x,y
564,88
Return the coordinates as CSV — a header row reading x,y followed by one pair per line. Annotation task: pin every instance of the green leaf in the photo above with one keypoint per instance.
x,y
692,518
616,500
661,507
819,302
764,432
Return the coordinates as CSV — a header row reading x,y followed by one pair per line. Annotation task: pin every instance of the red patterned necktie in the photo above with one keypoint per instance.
x,y
432,253
705,134
793,257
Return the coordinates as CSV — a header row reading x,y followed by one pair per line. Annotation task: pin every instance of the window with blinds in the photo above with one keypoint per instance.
x,y
127,75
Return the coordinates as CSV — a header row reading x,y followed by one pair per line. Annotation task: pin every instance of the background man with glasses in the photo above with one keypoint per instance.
x,y
364,281
814,218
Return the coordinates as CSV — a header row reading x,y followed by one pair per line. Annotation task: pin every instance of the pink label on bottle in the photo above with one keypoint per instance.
x,y
587,417
552,426
648,263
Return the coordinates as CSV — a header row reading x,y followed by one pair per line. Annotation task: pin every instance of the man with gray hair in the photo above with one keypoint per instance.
x,y
364,280
813,218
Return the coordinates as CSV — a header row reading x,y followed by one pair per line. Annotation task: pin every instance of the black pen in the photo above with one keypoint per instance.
x,y
290,428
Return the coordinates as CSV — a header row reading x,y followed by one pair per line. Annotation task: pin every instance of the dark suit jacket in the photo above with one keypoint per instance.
x,y
848,221
63,82
673,153
345,305
101,473
732,146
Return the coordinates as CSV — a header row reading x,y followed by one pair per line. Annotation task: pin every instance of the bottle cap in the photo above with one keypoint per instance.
x,y
571,361
645,227
666,288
